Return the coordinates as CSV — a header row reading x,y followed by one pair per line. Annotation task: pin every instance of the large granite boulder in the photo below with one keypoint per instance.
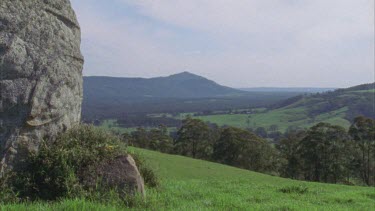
x,y
40,75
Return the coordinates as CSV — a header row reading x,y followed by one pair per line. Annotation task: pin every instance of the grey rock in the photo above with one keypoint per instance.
x,y
120,173
40,75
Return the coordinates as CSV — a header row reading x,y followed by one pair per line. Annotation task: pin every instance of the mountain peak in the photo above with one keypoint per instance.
x,y
185,75
182,85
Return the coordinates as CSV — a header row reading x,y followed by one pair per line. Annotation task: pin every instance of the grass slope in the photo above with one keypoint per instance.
x,y
111,125
283,118
195,184
189,184
335,107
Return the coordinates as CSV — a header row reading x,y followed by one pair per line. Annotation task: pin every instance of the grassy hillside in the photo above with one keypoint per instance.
x,y
120,107
286,89
189,184
195,184
338,107
112,125
283,118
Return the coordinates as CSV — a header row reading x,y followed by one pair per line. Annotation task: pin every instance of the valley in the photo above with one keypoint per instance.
x,y
280,110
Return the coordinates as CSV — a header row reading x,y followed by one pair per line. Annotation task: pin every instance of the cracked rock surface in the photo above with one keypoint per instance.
x,y
40,75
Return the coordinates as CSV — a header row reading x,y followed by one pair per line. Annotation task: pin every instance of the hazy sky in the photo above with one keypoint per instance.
x,y
238,43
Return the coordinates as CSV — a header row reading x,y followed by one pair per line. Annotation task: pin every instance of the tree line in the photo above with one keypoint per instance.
x,y
323,153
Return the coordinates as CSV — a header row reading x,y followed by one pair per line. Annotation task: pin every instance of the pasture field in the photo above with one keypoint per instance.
x,y
283,118
112,125
190,184
335,107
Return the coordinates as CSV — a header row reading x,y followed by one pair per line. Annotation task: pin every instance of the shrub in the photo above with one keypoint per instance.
x,y
59,167
6,192
148,175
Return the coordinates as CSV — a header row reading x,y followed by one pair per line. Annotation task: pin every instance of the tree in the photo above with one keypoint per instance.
x,y
324,153
273,128
363,132
193,139
127,139
261,131
140,138
276,136
289,149
241,148
160,140
213,136
293,128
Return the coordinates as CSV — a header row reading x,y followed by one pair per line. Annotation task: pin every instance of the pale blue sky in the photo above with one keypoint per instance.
x,y
242,43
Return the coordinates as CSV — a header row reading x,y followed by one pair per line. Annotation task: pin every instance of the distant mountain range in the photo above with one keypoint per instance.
x,y
108,97
288,89
182,85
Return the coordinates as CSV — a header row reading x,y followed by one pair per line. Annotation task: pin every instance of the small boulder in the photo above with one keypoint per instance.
x,y
120,174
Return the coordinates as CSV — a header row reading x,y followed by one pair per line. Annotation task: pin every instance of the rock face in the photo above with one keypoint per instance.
x,y
120,173
40,75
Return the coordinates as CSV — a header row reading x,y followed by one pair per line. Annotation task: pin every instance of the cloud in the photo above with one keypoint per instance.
x,y
237,43
261,17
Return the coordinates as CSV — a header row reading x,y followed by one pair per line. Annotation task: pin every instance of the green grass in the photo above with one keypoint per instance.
x,y
111,124
194,184
189,184
283,118
66,205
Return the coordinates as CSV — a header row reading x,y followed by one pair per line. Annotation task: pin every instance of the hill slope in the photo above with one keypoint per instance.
x,y
359,100
288,89
190,184
337,107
